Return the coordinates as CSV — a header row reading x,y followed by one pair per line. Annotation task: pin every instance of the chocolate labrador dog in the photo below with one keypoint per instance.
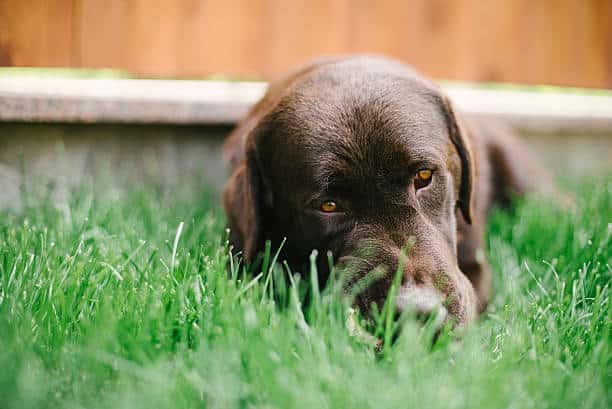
x,y
365,159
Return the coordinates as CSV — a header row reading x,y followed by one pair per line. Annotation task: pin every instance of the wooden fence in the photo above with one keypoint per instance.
x,y
566,42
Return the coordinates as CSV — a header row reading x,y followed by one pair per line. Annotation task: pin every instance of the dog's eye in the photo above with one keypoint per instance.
x,y
329,206
422,178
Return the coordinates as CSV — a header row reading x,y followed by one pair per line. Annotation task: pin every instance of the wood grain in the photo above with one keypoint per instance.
x,y
563,42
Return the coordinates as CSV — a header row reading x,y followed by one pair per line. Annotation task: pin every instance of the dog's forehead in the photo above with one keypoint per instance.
x,y
367,118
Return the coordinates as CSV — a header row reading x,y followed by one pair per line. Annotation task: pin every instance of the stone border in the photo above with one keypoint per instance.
x,y
126,100
222,102
545,111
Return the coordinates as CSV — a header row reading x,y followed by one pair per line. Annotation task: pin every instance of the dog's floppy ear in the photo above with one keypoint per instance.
x,y
242,200
461,141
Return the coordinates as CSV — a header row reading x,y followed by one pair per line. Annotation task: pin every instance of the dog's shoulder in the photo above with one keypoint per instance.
x,y
506,165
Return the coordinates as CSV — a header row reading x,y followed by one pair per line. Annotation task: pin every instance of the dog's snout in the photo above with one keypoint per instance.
x,y
425,302
432,289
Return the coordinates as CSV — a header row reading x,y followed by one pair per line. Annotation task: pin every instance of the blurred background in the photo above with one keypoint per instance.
x,y
560,42
76,90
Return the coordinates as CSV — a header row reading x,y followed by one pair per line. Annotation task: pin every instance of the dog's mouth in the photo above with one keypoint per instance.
x,y
369,286
421,304
424,303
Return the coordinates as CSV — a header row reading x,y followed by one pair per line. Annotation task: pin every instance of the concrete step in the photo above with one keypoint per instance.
x,y
143,101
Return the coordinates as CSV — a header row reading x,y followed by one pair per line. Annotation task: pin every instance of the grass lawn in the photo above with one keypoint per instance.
x,y
102,306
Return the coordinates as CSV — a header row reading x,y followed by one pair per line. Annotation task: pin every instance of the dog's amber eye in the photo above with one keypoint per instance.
x,y
329,206
423,178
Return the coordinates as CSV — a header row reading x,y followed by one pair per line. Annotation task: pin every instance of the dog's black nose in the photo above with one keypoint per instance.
x,y
424,302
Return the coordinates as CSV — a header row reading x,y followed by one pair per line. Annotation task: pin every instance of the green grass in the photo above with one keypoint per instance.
x,y
93,313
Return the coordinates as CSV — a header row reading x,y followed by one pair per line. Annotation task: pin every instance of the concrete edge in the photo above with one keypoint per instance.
x,y
223,102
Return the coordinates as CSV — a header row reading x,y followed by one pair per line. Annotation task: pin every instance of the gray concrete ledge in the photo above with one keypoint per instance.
x,y
218,102
540,112
126,101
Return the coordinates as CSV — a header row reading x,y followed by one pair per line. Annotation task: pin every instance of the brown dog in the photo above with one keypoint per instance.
x,y
363,158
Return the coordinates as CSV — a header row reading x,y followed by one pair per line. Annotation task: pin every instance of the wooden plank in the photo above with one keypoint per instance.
x,y
557,42
36,33
388,27
301,30
222,38
139,35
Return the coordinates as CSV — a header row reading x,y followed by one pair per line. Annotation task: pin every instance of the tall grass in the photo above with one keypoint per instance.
x,y
126,300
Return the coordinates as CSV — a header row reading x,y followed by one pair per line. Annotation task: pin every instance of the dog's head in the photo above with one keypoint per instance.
x,y
364,159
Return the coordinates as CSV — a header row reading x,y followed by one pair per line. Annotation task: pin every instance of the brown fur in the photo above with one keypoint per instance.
x,y
356,130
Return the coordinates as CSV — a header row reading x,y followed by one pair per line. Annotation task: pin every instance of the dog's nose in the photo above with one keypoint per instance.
x,y
424,302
